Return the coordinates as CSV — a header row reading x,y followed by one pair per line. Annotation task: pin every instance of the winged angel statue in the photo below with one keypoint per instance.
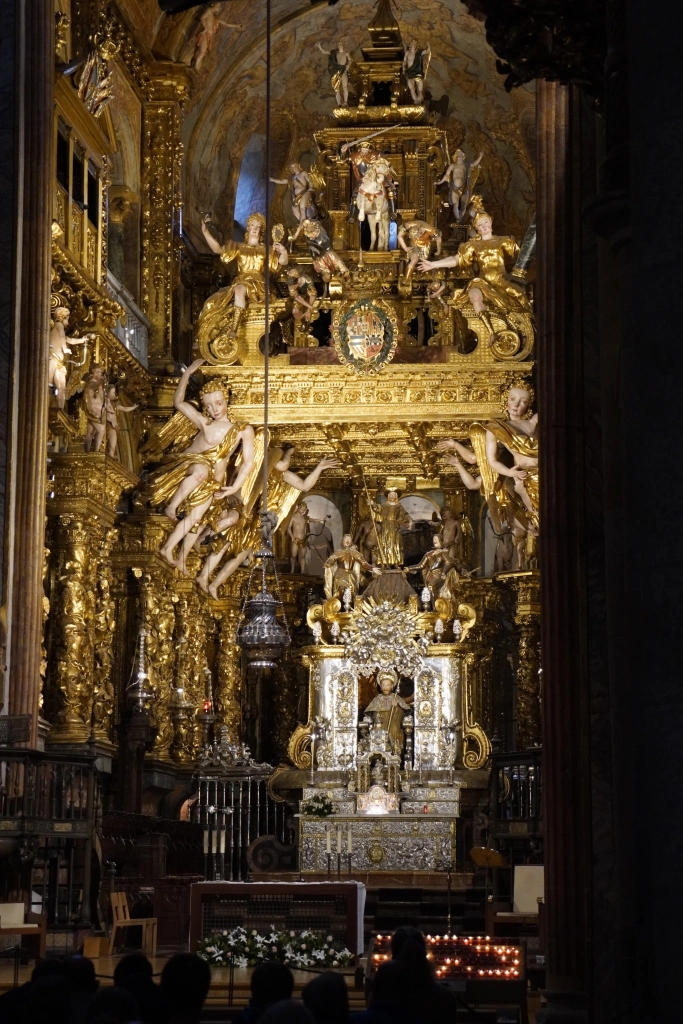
x,y
198,453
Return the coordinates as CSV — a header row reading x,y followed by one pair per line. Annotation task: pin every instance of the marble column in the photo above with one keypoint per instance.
x,y
35,174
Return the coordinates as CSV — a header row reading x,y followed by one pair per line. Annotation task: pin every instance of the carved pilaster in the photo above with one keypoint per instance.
x,y
228,676
73,652
158,617
526,586
161,205
105,626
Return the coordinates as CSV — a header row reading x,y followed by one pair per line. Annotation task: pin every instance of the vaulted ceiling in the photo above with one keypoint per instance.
x,y
226,105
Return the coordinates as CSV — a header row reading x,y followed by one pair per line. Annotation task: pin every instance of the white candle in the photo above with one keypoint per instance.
x,y
339,839
206,840
222,846
328,837
349,839
214,841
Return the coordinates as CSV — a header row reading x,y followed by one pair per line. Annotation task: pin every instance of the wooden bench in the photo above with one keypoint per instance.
x,y
122,919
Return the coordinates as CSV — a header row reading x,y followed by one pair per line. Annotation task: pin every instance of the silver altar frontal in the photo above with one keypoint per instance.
x,y
389,742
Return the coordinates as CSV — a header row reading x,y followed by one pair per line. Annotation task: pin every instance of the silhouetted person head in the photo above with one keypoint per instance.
x,y
287,1011
271,982
112,1006
152,1005
327,998
48,1000
49,967
185,982
407,938
80,972
134,964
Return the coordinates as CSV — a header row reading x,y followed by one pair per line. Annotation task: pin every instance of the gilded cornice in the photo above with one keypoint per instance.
x,y
88,485
399,393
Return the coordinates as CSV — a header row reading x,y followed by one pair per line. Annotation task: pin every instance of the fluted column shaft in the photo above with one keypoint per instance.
x,y
565,732
35,143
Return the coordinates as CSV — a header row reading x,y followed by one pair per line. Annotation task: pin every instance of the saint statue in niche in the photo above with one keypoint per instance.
x,y
387,710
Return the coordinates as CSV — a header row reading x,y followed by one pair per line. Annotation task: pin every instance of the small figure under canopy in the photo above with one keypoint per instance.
x,y
388,709
344,570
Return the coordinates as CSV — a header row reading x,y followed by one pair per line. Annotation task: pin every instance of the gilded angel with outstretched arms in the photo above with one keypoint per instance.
x,y
192,476
512,491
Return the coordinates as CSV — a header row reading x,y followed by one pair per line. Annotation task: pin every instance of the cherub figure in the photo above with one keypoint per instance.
x,y
303,295
210,23
338,65
461,178
325,259
420,239
93,399
191,479
111,409
415,68
60,348
298,532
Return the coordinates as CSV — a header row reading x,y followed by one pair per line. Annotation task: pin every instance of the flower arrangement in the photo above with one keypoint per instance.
x,y
297,949
318,806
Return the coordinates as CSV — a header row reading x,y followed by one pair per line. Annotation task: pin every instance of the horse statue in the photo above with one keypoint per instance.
x,y
372,201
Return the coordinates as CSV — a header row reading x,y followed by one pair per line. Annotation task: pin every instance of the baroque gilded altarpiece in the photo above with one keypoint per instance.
x,y
104,575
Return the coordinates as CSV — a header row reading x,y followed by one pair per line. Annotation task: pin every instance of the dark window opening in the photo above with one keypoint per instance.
x,y
93,197
77,187
63,161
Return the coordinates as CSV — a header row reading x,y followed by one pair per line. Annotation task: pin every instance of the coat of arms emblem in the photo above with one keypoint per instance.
x,y
365,334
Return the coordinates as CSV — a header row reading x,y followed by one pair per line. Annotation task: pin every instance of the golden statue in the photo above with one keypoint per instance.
x,y
192,478
388,709
218,323
434,567
344,569
512,492
484,259
420,238
243,535
390,517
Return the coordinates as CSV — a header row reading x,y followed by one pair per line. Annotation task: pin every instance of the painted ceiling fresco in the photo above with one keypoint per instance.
x,y
225,114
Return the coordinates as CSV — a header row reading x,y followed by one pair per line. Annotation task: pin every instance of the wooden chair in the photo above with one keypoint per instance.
x,y
122,919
